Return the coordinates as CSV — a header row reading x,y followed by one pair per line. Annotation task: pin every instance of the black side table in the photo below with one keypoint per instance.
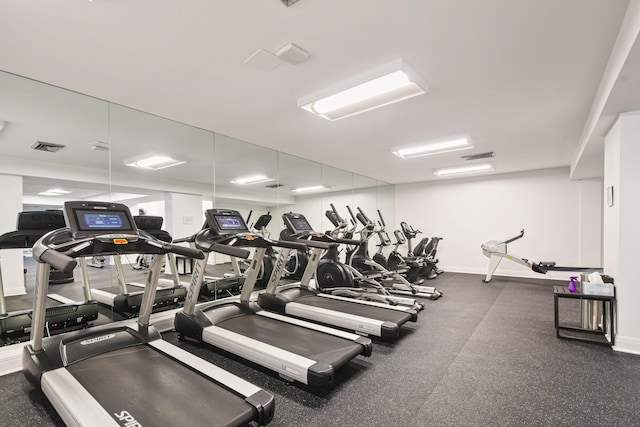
x,y
597,336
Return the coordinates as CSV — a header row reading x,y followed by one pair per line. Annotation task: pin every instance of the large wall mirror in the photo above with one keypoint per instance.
x,y
58,145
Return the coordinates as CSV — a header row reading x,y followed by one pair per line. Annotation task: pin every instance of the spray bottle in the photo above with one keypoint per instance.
x,y
572,284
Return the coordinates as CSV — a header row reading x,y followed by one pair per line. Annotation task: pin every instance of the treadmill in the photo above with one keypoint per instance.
x,y
152,225
299,300
127,303
125,374
296,349
65,314
214,288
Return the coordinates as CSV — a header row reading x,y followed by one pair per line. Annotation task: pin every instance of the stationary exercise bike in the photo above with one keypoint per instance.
x,y
424,251
412,269
496,251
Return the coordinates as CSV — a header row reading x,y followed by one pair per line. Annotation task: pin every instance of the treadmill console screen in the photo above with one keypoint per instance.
x,y
96,218
300,224
225,221
91,220
230,223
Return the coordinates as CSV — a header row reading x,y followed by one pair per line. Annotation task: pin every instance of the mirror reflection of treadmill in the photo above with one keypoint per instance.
x,y
63,314
302,301
297,350
125,374
125,298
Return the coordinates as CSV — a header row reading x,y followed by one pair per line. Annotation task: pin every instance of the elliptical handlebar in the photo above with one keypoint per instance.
x,y
335,211
366,218
383,224
331,216
362,219
353,217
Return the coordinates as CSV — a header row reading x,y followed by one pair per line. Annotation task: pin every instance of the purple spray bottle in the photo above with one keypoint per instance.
x,y
572,284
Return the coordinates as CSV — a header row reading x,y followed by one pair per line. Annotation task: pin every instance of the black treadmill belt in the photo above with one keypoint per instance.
x,y
305,342
156,390
378,313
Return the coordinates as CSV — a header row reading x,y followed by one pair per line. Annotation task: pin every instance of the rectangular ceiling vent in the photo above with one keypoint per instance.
x,y
274,185
99,146
47,146
478,156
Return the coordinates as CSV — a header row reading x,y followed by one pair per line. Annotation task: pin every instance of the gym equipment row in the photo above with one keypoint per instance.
x,y
298,331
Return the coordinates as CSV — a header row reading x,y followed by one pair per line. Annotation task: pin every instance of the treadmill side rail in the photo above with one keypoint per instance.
x,y
60,386
362,325
287,364
226,378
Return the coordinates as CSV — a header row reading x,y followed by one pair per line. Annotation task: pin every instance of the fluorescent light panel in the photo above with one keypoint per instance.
x,y
309,188
1,125
154,162
384,89
254,179
435,148
54,192
484,167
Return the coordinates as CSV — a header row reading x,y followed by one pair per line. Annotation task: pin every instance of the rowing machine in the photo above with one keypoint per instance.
x,y
495,251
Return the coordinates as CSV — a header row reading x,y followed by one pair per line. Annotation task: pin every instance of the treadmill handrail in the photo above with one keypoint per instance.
x,y
202,240
63,243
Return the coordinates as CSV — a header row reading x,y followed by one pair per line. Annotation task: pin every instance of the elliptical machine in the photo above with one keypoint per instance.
x,y
412,269
332,276
392,280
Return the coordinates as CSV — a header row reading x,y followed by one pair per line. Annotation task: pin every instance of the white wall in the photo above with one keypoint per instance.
x,y
561,219
11,259
621,230
155,208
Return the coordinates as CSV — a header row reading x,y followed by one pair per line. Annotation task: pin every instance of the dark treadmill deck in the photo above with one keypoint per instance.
x,y
308,343
157,390
378,313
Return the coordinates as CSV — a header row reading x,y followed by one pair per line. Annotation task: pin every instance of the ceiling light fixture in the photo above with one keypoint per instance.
x,y
484,167
54,192
1,125
435,148
309,188
154,162
386,85
254,179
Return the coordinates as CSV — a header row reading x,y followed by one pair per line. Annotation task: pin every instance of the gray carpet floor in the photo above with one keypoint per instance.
x,y
484,354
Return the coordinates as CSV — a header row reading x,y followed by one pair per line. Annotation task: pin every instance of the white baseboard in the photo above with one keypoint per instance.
x,y
520,273
11,359
627,345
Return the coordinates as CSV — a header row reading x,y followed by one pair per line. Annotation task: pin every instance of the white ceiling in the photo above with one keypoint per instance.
x,y
519,77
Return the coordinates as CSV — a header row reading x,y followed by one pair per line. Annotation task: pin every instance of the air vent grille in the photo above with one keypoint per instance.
x,y
99,146
274,185
47,146
478,156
